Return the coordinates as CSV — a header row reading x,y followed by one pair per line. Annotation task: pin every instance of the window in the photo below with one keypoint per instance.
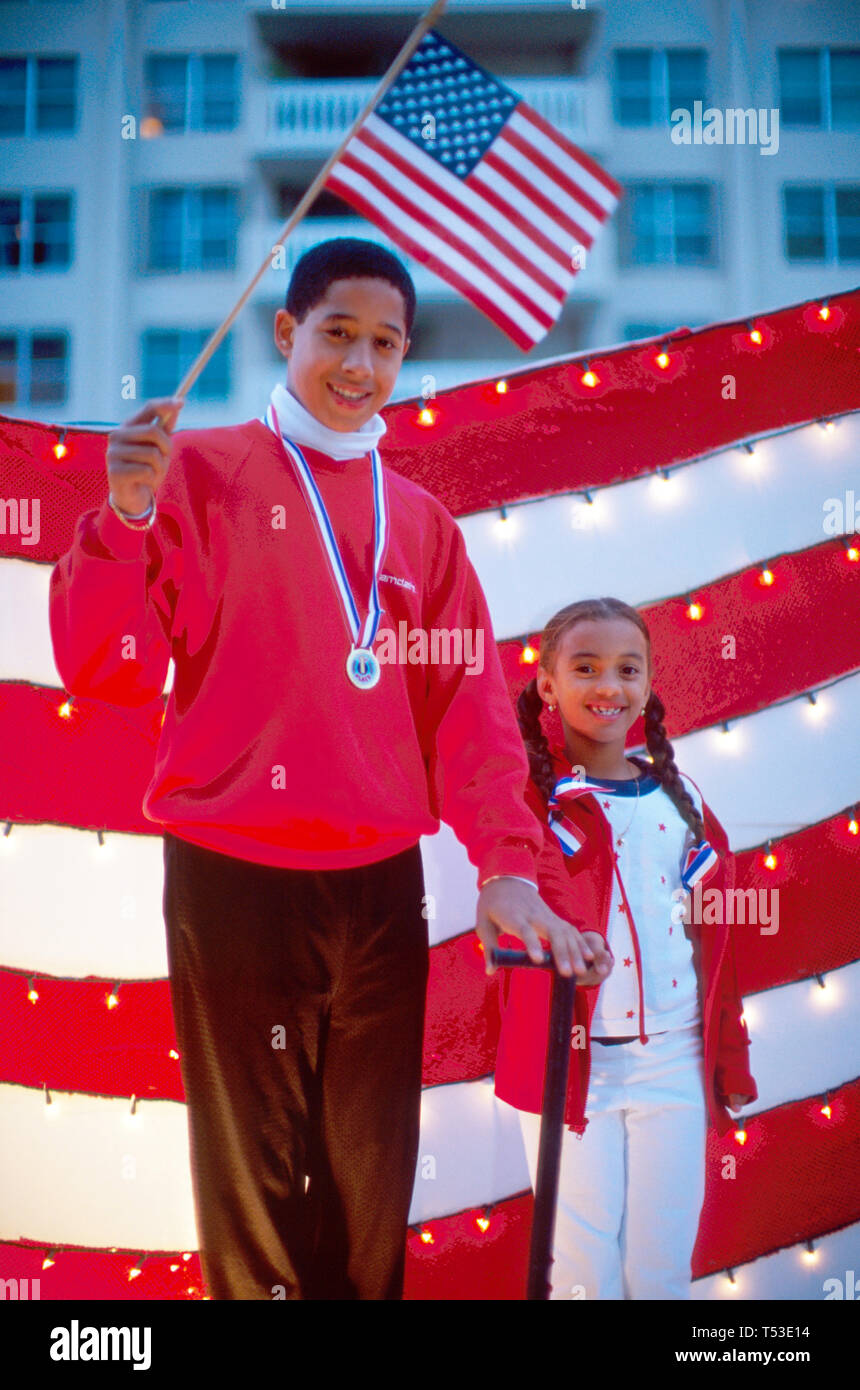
x,y
168,353
38,96
33,368
651,83
822,223
35,231
196,91
819,87
668,224
192,229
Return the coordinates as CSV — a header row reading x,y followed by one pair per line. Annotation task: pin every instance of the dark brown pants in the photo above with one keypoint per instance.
x,y
298,1000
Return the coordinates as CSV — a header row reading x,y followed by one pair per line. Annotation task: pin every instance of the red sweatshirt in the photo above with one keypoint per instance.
x,y
267,751
579,889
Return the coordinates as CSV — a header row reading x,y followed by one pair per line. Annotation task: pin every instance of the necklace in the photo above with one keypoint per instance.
x,y
620,839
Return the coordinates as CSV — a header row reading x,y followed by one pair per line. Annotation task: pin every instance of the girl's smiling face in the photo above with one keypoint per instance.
x,y
344,355
600,680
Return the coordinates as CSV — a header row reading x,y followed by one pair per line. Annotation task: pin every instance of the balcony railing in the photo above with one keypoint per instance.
x,y
307,117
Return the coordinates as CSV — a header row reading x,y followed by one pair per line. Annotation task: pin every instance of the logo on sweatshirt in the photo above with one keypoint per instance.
x,y
395,579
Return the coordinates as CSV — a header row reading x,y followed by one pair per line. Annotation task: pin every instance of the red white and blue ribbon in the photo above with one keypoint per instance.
x,y
362,637
700,861
569,837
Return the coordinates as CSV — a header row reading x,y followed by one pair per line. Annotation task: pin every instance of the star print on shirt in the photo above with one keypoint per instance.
x,y
620,907
629,1013
661,827
674,984
606,805
662,878
627,960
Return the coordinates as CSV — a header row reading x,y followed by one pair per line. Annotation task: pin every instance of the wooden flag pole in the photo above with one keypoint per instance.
x,y
425,23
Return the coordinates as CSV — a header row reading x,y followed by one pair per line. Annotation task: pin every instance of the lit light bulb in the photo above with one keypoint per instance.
x,y
65,710
853,826
482,1222
770,860
501,387
852,553
426,416
755,336
826,1111
740,1137
60,450
824,312
111,1000
33,996
589,378
427,1237
528,655
694,612
662,359
47,1262
766,578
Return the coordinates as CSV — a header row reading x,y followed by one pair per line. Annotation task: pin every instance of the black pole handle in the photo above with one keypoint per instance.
x,y
501,955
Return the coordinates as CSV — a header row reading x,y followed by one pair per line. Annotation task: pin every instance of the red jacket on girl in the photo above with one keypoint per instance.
x,y
579,888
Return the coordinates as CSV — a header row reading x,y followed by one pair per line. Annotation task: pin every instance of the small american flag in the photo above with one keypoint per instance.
x,y
464,176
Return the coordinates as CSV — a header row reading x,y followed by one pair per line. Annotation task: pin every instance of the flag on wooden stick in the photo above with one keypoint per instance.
x,y
464,176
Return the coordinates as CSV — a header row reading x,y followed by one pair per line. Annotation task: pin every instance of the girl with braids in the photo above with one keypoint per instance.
x,y
658,1045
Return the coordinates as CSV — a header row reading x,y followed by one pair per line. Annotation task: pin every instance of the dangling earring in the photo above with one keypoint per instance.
x,y
550,708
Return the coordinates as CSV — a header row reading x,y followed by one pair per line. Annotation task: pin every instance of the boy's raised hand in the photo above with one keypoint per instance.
x,y
510,905
138,454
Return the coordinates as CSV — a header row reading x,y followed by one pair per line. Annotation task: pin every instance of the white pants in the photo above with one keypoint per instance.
x,y
631,1188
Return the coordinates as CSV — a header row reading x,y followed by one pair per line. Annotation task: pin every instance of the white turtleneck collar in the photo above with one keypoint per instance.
x,y
298,424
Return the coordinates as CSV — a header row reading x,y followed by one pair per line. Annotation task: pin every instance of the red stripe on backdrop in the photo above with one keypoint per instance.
x,y
795,1179
792,1149
786,640
474,458
71,1041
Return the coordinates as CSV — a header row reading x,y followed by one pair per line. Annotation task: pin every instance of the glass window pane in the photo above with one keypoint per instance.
x,y
845,86
692,219
11,233
219,92
848,224
165,229
213,384
800,86
633,86
52,231
8,370
217,228
55,94
687,77
804,224
13,95
166,89
48,369
161,373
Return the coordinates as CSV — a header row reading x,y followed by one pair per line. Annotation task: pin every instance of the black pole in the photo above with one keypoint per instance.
x,y
552,1117
551,1134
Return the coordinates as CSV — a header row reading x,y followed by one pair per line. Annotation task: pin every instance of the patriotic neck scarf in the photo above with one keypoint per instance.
x,y
700,859
301,427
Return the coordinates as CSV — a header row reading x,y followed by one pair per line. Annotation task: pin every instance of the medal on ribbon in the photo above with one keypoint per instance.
x,y
362,666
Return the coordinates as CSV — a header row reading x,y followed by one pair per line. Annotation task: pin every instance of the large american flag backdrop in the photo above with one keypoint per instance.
x,y
466,177
96,1191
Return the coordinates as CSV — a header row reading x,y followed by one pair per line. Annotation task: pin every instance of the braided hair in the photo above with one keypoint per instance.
x,y
530,705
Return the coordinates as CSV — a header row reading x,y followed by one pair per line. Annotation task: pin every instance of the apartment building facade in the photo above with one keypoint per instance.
x,y
151,150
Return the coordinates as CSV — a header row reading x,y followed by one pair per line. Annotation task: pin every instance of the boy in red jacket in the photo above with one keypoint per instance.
x,y
296,771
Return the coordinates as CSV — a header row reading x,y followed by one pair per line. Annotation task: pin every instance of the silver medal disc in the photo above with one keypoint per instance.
x,y
362,668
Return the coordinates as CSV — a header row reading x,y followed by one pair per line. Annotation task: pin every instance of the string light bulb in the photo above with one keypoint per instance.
x,y
755,334
426,416
589,378
427,1237
770,860
766,578
60,449
695,611
112,999
824,311
65,709
528,655
501,387
854,824
662,359
49,1258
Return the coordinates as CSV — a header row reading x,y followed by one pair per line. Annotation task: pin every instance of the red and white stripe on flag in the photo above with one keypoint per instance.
x,y
470,181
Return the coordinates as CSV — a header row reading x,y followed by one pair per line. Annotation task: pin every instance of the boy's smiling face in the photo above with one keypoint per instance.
x,y
344,355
